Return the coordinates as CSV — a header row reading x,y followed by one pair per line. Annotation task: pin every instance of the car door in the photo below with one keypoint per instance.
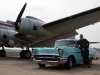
x,y
78,54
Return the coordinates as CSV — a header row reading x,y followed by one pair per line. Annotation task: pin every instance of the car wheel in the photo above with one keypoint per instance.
x,y
96,58
90,61
41,65
69,63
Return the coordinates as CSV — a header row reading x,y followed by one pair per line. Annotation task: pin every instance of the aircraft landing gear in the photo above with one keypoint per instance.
x,y
25,54
2,52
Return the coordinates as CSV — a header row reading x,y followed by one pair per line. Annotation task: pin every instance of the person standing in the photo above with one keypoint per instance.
x,y
84,45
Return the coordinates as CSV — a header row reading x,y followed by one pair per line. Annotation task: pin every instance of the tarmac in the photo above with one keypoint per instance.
x,y
16,66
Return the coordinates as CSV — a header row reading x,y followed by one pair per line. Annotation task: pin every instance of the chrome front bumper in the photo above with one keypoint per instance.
x,y
49,59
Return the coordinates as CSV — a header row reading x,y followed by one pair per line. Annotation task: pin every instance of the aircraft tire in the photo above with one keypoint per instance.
x,y
27,54
2,53
22,54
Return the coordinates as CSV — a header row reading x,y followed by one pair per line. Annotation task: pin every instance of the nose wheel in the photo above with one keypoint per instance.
x,y
2,52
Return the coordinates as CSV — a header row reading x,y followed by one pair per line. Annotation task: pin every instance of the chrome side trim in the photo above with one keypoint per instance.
x,y
47,54
61,61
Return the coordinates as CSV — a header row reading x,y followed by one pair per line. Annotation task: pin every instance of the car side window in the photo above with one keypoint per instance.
x,y
77,45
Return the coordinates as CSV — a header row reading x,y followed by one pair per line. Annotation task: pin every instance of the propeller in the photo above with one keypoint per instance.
x,y
19,16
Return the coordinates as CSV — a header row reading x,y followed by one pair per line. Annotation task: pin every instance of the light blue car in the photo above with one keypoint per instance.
x,y
65,51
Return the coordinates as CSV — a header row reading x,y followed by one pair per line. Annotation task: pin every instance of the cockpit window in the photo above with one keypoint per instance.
x,y
68,43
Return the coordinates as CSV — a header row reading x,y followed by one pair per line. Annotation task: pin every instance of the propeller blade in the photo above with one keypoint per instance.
x,y
19,16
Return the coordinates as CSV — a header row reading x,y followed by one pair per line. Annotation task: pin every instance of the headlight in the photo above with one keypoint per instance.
x,y
60,51
33,51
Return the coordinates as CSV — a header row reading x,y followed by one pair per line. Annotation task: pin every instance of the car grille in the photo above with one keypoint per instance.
x,y
47,57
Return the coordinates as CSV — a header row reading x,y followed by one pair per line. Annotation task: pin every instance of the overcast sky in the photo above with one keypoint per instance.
x,y
50,10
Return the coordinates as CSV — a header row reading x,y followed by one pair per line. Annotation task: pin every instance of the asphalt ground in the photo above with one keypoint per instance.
x,y
13,65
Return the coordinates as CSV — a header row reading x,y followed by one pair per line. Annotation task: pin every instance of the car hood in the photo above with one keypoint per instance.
x,y
46,50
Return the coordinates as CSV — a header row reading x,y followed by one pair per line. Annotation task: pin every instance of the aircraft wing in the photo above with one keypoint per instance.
x,y
64,27
74,22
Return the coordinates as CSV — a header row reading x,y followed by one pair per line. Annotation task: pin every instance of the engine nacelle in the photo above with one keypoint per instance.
x,y
32,27
5,35
7,38
11,43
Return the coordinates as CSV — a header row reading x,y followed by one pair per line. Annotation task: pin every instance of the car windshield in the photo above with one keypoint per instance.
x,y
68,43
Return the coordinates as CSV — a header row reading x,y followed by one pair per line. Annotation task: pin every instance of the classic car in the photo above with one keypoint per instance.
x,y
65,51
95,52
